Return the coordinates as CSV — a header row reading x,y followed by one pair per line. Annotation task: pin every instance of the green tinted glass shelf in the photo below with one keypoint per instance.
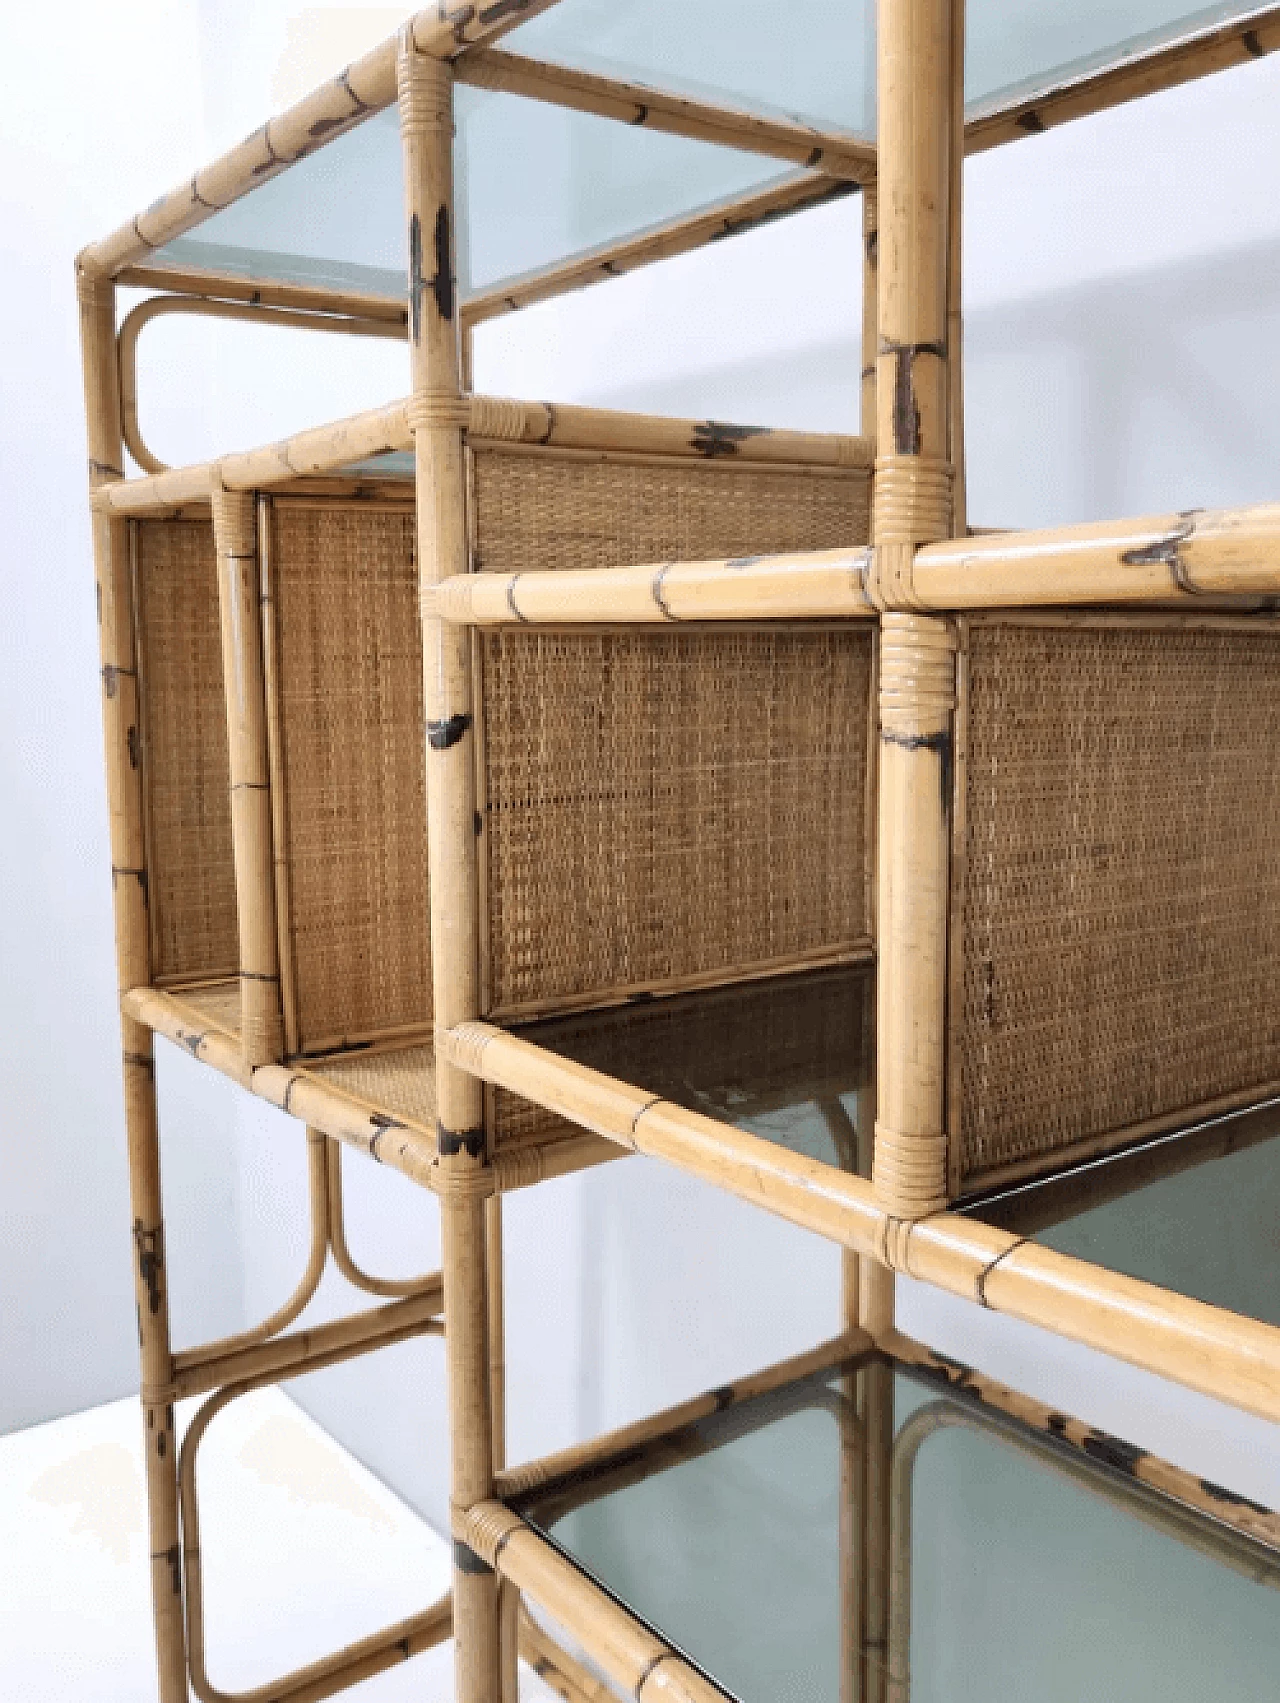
x,y
1020,1566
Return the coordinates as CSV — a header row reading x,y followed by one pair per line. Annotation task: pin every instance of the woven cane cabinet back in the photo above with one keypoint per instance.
x,y
1116,883
182,749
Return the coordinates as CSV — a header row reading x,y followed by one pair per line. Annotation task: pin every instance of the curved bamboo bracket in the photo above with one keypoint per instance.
x,y
156,307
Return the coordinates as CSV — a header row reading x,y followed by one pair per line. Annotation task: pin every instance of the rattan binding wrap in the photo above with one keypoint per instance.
x,y
192,897
551,509
348,661
1118,889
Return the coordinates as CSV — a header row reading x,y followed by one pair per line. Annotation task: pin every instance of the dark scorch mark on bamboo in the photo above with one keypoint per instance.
x,y
1169,551
469,1141
150,1250
715,437
382,1123
442,281
939,743
906,410
442,734
1233,1499
1031,122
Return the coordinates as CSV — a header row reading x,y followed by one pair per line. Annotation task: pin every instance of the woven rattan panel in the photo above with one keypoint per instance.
x,y
665,805
350,754
401,1082
191,874
218,1005
548,511
1120,895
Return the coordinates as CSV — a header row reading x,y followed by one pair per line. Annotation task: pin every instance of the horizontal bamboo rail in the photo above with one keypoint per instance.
x,y
1188,561
635,1659
822,583
1247,1536
400,1142
1221,1354
1174,557
539,1475
366,86
327,448
208,284
290,1356
661,242
1197,55
833,153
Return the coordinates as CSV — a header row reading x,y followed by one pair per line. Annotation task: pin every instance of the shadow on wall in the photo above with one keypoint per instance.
x,y
1144,392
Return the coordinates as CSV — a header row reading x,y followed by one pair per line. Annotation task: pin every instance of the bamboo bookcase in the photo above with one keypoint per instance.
x,y
410,759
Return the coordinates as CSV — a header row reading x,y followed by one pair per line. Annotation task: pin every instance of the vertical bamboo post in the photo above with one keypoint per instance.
x,y
425,86
918,90
912,497
133,960
920,75
870,306
955,280
235,533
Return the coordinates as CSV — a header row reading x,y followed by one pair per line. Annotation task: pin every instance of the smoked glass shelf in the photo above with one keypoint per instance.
x,y
1025,1556
1196,1212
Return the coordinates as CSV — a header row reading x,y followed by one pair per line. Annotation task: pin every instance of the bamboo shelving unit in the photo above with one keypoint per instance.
x,y
482,772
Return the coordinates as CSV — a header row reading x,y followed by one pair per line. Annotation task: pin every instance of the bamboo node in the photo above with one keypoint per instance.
x,y
424,85
910,1172
438,408
911,499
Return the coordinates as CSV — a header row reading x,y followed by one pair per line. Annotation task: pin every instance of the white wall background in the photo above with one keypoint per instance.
x,y
1123,282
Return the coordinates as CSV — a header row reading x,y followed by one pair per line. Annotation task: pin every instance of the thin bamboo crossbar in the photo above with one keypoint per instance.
x,y
208,284
659,242
366,86
1247,1536
1172,558
634,1658
292,1355
538,1475
798,587
327,448
833,153
1230,1357
1200,54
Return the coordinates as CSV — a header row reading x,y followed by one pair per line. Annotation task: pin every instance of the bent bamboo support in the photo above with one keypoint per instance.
x,y
1220,1354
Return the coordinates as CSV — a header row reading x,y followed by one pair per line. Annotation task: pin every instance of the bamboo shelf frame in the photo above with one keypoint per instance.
x,y
1137,1484
925,584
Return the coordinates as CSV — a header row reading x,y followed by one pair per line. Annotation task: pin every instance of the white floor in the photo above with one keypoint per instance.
x,y
304,1550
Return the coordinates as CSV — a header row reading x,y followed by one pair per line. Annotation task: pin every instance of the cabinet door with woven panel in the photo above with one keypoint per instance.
x,y
1115,937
